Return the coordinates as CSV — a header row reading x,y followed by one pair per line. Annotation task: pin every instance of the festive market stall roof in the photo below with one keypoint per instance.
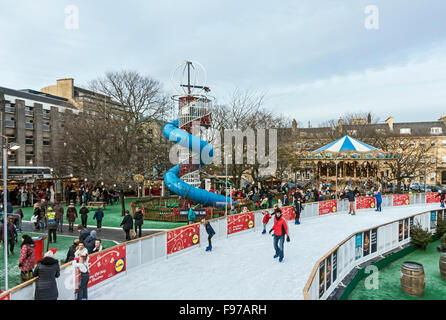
x,y
345,144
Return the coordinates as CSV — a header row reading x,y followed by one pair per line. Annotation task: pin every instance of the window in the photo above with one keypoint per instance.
x,y
433,143
436,130
46,141
46,114
46,126
405,131
443,143
433,176
443,159
29,111
433,160
352,132
29,125
29,141
412,144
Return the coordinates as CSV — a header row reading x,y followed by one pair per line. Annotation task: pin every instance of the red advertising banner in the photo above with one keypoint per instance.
x,y
6,297
326,207
401,199
431,197
240,222
288,213
182,238
104,265
365,203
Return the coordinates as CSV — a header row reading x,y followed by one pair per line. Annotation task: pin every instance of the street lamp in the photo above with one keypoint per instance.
x,y
6,148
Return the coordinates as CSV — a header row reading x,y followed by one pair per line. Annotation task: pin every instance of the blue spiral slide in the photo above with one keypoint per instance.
x,y
171,177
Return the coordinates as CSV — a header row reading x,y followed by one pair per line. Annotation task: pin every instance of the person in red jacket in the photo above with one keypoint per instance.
x,y
280,230
266,217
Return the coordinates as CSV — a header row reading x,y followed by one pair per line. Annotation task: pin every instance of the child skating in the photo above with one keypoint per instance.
x,y
210,231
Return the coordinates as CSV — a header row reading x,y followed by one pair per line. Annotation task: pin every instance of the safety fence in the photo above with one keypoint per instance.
x,y
363,246
114,262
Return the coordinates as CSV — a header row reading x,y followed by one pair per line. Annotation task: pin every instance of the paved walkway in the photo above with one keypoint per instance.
x,y
107,233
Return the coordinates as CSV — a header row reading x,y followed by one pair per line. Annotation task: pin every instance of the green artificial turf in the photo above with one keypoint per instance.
x,y
112,217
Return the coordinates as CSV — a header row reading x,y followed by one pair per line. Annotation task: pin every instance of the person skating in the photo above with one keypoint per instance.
x,y
26,260
379,200
210,231
139,220
266,218
82,264
351,195
280,230
47,270
441,195
99,215
298,207
127,224
84,214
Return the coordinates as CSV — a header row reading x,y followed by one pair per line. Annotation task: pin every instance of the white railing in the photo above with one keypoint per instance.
x,y
153,248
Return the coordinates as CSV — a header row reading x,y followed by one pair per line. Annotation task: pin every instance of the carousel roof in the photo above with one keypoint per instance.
x,y
347,143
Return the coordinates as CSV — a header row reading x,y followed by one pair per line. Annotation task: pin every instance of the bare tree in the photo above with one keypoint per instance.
x,y
113,138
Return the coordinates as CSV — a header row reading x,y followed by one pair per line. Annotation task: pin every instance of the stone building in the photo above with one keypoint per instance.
x,y
35,121
431,133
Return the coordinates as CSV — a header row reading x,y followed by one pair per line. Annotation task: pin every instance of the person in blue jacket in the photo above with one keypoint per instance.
x,y
210,232
191,215
99,215
379,200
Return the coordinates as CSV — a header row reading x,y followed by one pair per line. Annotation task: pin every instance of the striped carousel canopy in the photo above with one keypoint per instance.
x,y
346,144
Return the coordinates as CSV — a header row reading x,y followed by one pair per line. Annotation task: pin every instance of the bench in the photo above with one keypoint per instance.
x,y
96,205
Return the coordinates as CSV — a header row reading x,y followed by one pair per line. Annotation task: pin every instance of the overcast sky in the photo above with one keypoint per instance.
x,y
315,58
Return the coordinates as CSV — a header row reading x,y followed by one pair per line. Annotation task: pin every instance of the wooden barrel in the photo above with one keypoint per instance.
x,y
412,278
443,265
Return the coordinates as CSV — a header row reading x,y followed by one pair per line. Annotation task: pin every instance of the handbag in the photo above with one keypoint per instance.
x,y
33,219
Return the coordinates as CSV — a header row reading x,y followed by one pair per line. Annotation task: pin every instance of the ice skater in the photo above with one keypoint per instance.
x,y
297,202
266,218
210,232
379,200
280,230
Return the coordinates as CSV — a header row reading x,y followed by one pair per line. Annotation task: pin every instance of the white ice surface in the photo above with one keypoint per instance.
x,y
242,266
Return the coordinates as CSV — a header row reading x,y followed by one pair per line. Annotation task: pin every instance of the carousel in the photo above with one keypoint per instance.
x,y
346,162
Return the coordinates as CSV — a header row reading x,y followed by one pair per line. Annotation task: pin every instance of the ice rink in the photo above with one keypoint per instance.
x,y
242,266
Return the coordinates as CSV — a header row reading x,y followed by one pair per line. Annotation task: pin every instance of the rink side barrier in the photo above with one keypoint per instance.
x,y
156,247
361,247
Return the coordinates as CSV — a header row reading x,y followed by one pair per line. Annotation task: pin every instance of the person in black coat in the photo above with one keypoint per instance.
x,y
127,224
47,270
297,203
210,231
72,250
84,214
139,220
351,195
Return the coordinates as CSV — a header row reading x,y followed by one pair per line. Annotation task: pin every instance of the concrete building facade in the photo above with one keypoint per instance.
x,y
33,120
